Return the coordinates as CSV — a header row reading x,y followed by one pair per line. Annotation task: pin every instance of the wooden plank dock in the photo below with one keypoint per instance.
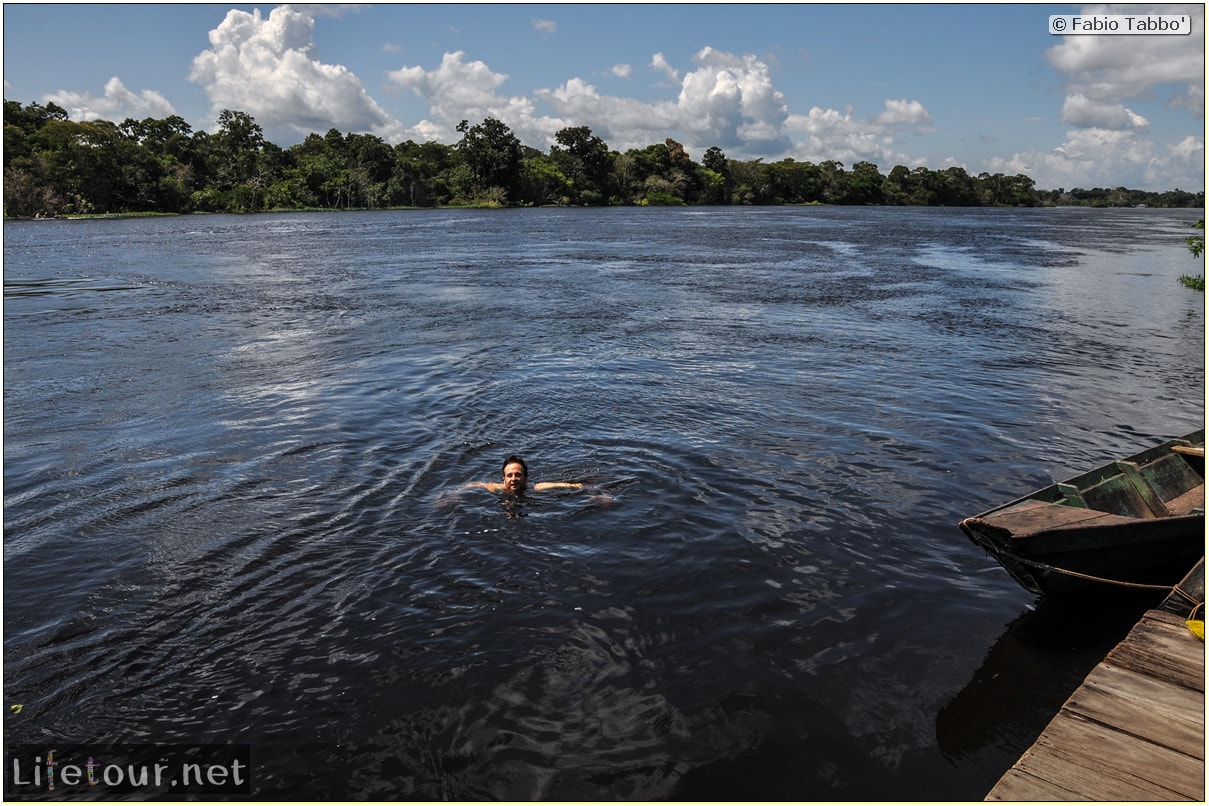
x,y
1135,728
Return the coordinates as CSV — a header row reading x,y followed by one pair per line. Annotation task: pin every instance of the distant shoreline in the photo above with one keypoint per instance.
x,y
108,216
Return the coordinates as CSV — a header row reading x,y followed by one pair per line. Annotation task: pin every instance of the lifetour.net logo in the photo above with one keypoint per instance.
x,y
94,772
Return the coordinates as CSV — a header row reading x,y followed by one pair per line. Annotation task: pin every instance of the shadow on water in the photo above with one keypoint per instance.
x,y
1038,662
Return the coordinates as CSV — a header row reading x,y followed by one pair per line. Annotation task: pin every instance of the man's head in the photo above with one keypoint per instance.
x,y
516,474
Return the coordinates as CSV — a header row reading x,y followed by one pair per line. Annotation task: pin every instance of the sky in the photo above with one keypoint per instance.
x,y
982,86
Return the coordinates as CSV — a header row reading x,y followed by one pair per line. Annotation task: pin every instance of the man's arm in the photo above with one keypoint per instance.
x,y
553,485
494,486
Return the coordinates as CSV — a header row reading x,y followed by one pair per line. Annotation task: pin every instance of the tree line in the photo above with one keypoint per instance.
x,y
54,166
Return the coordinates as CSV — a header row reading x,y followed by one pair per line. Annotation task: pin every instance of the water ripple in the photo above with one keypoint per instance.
x,y
236,453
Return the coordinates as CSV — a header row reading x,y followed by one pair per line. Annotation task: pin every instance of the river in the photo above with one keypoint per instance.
x,y
236,451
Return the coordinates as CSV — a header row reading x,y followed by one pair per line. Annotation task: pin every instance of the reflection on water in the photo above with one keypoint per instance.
x,y
235,452
1031,670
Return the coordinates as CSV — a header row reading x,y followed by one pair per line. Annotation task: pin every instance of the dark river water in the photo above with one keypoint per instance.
x,y
235,451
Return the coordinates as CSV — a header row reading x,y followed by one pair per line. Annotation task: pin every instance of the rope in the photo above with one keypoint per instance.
x,y
1174,589
1187,597
1095,578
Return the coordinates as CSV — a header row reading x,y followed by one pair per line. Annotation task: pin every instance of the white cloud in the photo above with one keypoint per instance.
x,y
730,101
1193,99
545,26
1111,69
658,62
458,90
1189,148
828,134
1113,145
903,112
1079,110
268,68
727,100
1094,157
622,70
117,104
455,86
621,122
335,10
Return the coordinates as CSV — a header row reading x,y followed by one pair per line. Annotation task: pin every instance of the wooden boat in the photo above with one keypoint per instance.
x,y
1140,520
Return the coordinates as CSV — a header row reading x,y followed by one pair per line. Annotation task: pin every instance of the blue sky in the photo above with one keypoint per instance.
x,y
982,86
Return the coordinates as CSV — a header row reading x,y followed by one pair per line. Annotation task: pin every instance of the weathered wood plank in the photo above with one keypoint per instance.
x,y
1161,646
1030,517
1166,715
1148,493
1185,503
1104,764
1018,785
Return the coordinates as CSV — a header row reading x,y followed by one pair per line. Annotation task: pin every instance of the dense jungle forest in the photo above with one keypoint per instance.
x,y
54,166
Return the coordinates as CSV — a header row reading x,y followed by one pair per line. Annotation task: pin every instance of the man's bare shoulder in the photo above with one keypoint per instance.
x,y
498,487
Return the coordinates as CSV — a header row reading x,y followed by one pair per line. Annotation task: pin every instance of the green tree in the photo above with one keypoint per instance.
x,y
229,165
957,188
750,183
493,154
415,177
660,174
314,177
713,185
169,138
833,182
1196,245
170,143
29,119
863,185
240,141
713,159
54,165
543,182
29,189
1008,191
896,185
715,177
623,178
792,182
585,160
94,168
345,171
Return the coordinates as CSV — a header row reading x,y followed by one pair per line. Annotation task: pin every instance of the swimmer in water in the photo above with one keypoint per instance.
x,y
516,480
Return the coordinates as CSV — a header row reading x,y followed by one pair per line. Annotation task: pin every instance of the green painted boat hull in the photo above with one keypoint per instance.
x,y
1136,521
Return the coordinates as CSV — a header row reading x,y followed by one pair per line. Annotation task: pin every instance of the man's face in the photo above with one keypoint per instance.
x,y
514,478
